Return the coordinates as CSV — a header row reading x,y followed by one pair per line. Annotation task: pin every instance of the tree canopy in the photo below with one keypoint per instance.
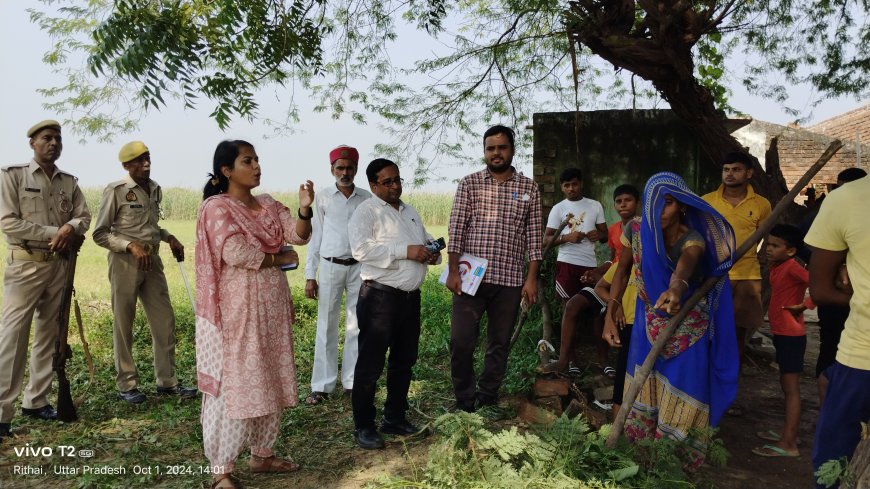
x,y
498,63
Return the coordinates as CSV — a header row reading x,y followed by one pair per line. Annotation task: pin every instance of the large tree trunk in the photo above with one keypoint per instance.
x,y
659,49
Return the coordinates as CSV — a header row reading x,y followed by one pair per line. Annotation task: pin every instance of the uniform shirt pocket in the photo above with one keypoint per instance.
x,y
132,214
32,203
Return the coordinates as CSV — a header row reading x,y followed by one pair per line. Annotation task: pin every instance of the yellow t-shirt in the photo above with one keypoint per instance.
x,y
841,226
629,298
745,218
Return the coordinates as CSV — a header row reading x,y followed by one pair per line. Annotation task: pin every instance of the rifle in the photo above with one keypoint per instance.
x,y
66,410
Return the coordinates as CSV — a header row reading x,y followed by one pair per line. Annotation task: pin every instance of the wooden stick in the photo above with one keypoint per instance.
x,y
524,308
644,371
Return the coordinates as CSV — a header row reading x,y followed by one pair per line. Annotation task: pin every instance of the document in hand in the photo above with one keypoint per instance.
x,y
471,270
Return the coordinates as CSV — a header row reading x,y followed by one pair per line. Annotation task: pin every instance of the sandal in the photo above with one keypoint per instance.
x,y
272,464
316,398
574,371
774,451
771,435
604,406
223,482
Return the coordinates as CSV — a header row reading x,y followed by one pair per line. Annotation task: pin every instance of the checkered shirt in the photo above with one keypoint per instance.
x,y
499,221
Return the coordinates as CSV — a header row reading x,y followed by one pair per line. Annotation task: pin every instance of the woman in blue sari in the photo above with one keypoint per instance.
x,y
678,242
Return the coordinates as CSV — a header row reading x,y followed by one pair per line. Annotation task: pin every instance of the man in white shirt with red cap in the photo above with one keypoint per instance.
x,y
329,254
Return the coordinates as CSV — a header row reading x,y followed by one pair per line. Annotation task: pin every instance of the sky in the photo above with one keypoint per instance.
x,y
182,141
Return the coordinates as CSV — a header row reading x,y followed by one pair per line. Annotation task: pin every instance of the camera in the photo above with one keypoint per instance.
x,y
436,245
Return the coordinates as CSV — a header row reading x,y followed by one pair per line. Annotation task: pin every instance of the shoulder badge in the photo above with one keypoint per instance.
x,y
20,165
131,196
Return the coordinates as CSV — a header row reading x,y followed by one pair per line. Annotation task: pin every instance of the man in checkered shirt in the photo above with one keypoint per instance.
x,y
496,215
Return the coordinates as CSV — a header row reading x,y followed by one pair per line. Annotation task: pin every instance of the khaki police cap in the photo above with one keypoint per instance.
x,y
42,125
131,151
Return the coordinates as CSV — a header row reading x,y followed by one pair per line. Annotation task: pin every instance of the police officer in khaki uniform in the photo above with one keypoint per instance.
x,y
42,213
127,227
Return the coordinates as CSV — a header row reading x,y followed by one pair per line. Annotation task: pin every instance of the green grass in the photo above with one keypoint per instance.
x,y
166,432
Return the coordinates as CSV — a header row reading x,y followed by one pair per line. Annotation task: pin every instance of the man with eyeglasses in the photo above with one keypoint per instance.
x,y
42,213
745,210
388,238
329,260
127,225
496,215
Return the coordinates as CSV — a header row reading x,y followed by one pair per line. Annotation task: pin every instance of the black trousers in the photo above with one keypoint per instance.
x,y
832,321
388,320
501,305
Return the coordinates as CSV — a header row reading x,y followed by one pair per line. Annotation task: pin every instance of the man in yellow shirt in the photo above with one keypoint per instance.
x,y
737,201
841,238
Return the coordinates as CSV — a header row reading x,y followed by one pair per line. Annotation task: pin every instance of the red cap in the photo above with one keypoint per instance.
x,y
345,152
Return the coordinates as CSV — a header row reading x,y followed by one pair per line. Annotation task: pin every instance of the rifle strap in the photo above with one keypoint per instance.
x,y
88,358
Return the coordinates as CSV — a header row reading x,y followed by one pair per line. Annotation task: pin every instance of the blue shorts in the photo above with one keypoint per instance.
x,y
790,353
847,404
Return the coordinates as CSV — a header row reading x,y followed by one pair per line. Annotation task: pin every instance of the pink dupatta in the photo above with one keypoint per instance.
x,y
219,218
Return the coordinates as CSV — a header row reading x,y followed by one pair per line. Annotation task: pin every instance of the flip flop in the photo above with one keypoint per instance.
x,y
774,451
609,372
769,435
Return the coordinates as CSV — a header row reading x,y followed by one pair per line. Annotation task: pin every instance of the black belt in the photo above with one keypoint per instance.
x,y
387,288
341,261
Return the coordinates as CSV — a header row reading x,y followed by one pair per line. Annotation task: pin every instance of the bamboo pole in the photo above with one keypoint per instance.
x,y
643,372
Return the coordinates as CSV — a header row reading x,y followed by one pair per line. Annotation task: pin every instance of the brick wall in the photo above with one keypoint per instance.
x,y
846,126
798,149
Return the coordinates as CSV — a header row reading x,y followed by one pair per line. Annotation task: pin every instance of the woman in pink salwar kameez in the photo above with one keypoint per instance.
x,y
244,312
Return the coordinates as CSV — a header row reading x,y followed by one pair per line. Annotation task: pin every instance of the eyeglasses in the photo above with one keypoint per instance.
x,y
395,182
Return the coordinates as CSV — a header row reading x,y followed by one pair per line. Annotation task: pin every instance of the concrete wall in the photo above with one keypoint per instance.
x,y
616,147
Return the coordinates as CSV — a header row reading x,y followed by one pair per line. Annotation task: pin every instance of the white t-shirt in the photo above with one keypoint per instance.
x,y
587,213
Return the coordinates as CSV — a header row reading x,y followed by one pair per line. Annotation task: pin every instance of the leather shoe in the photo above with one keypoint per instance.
x,y
484,401
5,430
133,396
178,390
368,438
46,412
467,406
400,427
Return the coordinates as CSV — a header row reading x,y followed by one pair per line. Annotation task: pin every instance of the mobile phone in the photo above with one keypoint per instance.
x,y
434,246
289,266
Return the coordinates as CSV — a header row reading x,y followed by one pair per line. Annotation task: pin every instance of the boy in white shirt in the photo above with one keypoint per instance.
x,y
576,263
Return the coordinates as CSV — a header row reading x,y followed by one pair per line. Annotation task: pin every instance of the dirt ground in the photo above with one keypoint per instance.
x,y
760,397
